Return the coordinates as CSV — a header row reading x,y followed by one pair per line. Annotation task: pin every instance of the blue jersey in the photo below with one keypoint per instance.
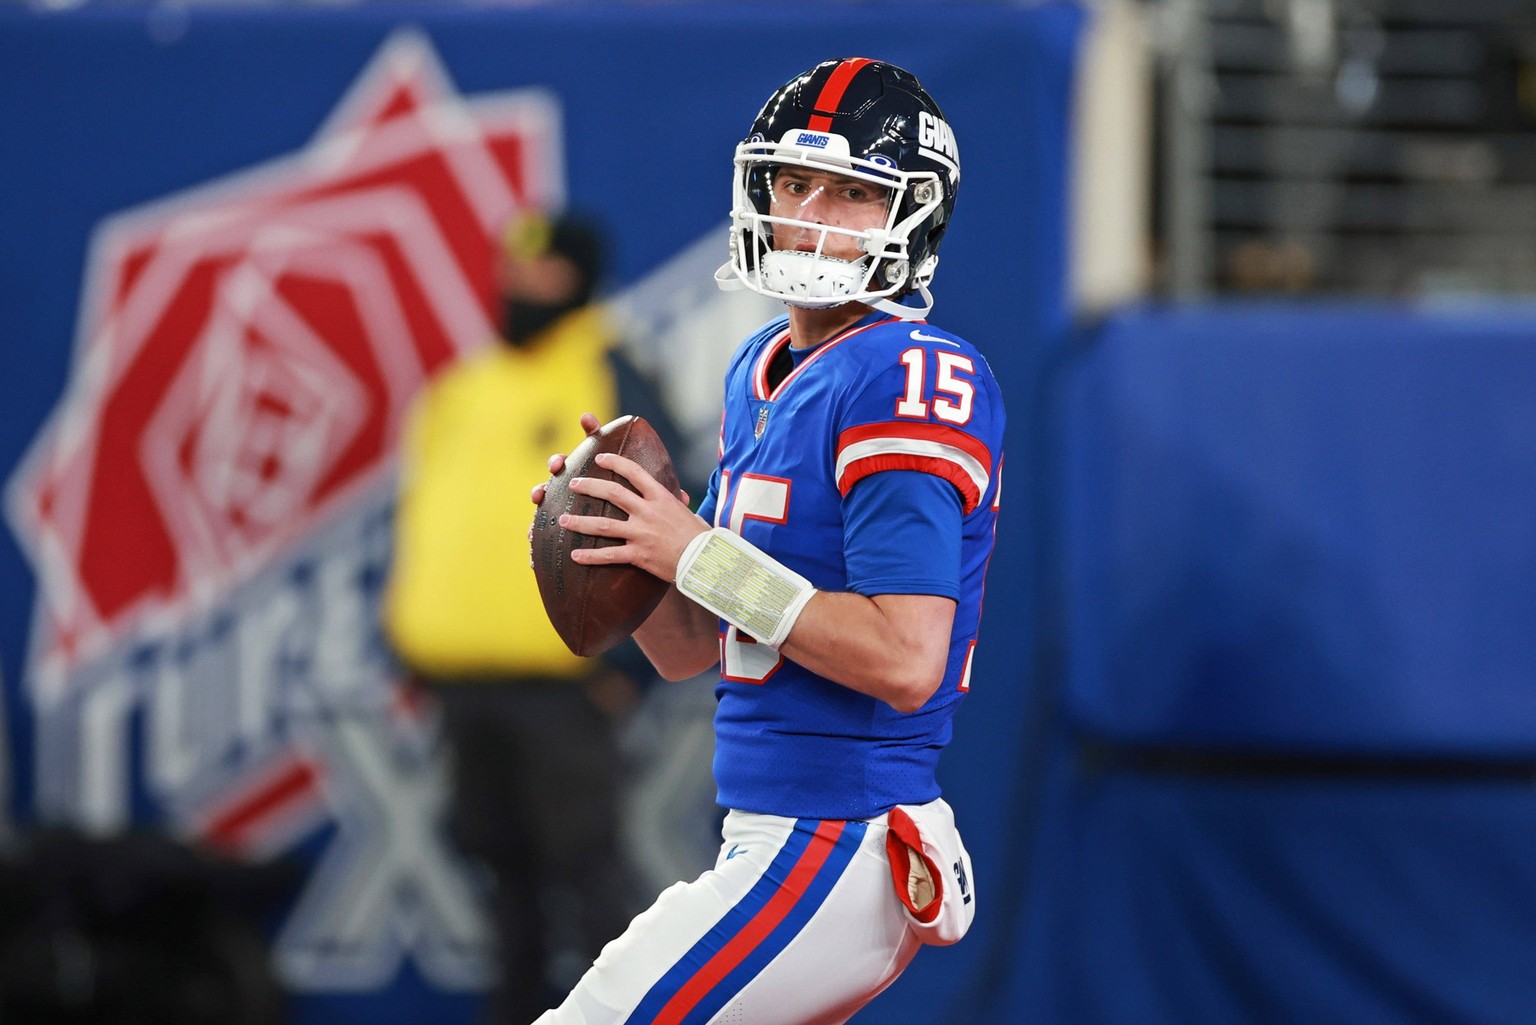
x,y
873,467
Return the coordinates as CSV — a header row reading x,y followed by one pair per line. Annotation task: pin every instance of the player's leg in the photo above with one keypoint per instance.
x,y
856,944
752,939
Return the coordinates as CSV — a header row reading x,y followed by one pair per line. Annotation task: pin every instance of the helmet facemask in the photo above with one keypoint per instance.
x,y
817,279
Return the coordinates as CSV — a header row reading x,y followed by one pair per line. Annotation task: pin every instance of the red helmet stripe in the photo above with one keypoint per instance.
x,y
832,92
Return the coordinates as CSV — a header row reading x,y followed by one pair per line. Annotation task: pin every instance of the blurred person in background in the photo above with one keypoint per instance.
x,y
531,728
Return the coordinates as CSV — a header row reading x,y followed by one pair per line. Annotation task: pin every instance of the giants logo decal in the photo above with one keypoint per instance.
x,y
208,509
936,140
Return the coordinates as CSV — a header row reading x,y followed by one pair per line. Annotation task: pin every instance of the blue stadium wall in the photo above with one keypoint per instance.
x,y
1294,729
1254,722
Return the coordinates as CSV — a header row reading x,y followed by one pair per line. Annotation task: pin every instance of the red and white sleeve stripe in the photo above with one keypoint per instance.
x,y
930,448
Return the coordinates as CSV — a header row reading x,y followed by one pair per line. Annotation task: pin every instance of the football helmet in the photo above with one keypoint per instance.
x,y
869,122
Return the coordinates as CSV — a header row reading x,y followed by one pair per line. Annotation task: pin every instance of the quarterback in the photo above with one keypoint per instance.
x,y
834,572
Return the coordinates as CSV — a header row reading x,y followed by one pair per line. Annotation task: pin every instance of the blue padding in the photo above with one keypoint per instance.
x,y
1305,528
1168,901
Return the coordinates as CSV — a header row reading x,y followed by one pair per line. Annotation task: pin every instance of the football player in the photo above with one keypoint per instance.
x,y
834,572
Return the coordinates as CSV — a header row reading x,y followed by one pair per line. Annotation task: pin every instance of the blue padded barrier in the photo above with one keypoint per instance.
x,y
1305,529
1171,899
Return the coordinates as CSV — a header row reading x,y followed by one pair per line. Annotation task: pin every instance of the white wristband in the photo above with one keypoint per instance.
x,y
743,585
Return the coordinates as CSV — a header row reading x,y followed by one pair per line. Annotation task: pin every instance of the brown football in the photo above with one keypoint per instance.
x,y
593,608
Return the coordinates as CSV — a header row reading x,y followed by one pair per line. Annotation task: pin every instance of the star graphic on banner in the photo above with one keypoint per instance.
x,y
247,349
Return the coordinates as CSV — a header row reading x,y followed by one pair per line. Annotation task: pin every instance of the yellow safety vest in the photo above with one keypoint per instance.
x,y
462,599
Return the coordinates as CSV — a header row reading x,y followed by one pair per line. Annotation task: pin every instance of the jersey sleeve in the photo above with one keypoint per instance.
x,y
929,410
902,535
711,498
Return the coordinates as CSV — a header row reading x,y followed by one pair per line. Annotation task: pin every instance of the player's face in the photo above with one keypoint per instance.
x,y
824,198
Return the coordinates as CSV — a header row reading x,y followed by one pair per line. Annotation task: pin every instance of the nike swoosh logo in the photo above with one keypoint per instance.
x,y
918,336
735,850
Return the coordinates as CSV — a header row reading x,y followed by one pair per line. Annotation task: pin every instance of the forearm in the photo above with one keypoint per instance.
x,y
891,647
680,638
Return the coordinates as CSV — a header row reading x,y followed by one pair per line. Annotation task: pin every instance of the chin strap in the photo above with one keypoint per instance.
x,y
727,280
904,312
920,279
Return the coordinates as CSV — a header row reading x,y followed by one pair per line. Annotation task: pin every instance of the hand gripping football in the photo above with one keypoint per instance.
x,y
593,608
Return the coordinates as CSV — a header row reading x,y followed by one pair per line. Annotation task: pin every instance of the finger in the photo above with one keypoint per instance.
x,y
605,556
595,526
682,496
537,494
634,473
556,464
609,491
590,423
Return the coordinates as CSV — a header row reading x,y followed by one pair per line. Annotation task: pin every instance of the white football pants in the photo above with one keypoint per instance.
x,y
798,923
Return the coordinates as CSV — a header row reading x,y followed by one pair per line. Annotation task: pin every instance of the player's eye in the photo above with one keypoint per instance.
x,y
863,194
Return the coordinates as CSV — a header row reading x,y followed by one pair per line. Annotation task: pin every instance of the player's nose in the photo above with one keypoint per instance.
x,y
814,207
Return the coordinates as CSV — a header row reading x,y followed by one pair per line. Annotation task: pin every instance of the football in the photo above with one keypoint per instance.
x,y
593,608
